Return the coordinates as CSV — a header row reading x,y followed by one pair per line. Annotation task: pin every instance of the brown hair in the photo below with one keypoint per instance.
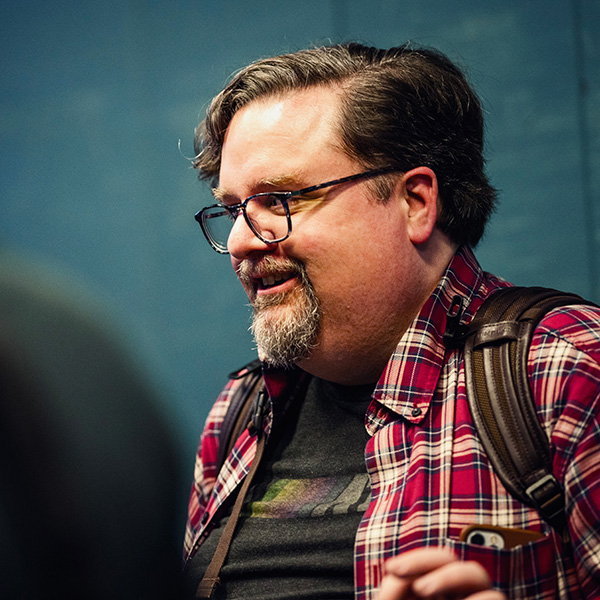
x,y
403,107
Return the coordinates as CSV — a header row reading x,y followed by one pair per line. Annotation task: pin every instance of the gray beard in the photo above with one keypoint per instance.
x,y
285,326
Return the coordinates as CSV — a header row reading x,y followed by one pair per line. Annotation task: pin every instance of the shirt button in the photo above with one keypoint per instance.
x,y
416,411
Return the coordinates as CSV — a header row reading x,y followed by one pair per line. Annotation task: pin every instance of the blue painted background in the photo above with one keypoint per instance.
x,y
95,96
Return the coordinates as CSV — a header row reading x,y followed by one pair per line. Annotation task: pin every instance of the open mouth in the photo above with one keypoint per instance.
x,y
269,277
271,281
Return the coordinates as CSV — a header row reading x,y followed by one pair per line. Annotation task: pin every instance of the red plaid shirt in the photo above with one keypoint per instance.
x,y
430,477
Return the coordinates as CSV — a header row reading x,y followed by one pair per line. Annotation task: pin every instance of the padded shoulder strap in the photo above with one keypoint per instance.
x,y
500,397
239,412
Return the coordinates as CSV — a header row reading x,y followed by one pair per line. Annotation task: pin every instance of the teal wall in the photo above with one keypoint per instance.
x,y
94,97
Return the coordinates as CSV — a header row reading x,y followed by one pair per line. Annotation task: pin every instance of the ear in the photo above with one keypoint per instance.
x,y
421,195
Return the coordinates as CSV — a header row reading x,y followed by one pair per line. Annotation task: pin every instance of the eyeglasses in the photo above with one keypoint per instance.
x,y
267,214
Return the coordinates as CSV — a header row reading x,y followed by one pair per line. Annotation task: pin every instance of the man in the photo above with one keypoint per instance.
x,y
350,190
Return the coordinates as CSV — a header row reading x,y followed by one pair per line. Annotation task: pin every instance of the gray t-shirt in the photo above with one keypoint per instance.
x,y
295,539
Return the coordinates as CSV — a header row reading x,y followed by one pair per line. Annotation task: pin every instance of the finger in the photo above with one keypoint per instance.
x,y
456,578
420,561
487,595
395,588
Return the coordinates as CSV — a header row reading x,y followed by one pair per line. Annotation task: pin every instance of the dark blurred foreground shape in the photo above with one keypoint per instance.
x,y
88,470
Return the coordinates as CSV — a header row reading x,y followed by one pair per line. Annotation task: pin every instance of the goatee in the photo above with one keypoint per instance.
x,y
285,325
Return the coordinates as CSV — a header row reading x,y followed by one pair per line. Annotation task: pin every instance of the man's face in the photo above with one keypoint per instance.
x,y
332,297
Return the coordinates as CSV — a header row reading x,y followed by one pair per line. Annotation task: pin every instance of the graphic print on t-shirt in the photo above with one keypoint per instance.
x,y
297,498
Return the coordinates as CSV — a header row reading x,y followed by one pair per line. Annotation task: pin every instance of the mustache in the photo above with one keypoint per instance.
x,y
248,270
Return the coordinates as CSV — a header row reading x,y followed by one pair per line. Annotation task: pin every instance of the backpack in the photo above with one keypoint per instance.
x,y
496,348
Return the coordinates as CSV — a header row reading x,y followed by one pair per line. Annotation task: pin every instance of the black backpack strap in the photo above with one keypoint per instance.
x,y
500,398
239,412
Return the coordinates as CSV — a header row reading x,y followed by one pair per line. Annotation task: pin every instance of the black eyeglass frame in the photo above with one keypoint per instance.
x,y
283,197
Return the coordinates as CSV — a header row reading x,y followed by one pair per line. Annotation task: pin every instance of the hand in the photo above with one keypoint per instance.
x,y
435,573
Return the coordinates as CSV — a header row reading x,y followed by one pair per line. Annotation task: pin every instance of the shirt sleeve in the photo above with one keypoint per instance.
x,y
564,368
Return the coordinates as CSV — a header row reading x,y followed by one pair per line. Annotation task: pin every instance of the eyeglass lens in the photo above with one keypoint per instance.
x,y
265,214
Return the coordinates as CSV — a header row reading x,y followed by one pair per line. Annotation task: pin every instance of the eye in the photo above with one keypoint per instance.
x,y
269,202
272,202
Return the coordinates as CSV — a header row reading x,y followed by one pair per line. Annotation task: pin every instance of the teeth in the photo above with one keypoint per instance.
x,y
271,280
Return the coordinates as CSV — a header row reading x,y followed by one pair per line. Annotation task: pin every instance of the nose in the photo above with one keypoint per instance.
x,y
242,242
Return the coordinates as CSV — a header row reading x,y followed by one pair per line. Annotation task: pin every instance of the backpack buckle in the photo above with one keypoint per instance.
x,y
547,495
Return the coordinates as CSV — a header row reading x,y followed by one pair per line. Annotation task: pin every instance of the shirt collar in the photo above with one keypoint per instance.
x,y
411,375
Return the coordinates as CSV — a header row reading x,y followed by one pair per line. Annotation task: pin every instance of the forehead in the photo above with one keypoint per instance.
x,y
275,137
293,111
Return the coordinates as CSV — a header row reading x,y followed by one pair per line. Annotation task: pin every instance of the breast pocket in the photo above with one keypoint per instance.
x,y
527,572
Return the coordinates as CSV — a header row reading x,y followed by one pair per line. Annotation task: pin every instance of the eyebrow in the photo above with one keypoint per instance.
x,y
270,182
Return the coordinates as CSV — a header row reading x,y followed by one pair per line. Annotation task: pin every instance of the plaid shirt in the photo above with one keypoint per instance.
x,y
429,474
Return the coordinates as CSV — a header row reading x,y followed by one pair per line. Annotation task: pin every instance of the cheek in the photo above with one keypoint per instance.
x,y
348,261
343,284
